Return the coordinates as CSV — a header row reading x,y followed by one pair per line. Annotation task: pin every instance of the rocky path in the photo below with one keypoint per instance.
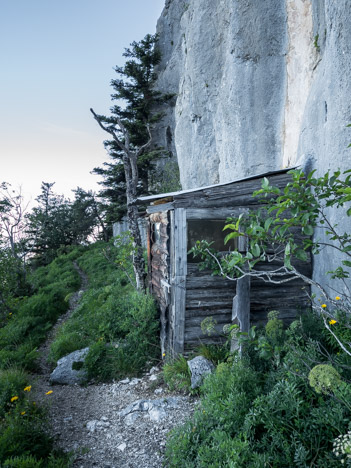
x,y
121,424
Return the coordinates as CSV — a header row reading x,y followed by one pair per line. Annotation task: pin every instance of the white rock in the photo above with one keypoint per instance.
x,y
122,447
153,377
91,425
130,419
125,381
134,382
154,369
157,414
158,391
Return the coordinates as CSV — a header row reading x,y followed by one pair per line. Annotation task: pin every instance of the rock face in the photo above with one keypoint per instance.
x,y
258,86
66,372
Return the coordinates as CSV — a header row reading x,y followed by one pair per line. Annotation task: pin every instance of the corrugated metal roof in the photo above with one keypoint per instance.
x,y
174,195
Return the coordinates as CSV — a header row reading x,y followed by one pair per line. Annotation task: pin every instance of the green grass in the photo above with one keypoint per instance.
x,y
119,324
27,327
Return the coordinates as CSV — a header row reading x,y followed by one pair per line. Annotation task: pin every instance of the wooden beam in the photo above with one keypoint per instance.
x,y
157,208
178,281
214,213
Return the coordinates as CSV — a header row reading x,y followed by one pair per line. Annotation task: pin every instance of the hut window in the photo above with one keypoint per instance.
x,y
210,230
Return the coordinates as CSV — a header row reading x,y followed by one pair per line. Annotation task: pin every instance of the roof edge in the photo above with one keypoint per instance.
x,y
151,198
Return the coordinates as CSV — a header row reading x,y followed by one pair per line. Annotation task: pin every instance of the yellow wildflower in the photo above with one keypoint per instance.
x,y
164,354
337,298
324,306
14,398
27,389
49,392
23,413
331,322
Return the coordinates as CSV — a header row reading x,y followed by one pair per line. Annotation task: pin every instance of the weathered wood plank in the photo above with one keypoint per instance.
x,y
203,313
208,304
215,282
159,208
179,279
190,345
191,322
196,333
207,293
241,308
214,213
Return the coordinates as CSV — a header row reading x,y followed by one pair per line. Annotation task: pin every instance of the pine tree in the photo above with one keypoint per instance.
x,y
130,126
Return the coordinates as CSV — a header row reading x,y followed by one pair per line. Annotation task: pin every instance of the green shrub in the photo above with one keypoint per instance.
x,y
12,383
228,395
65,344
132,328
26,461
214,352
268,415
24,435
177,374
35,315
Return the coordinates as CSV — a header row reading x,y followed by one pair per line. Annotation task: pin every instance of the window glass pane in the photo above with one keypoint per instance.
x,y
210,230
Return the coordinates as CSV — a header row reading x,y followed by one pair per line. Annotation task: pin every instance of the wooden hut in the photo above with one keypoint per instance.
x,y
186,295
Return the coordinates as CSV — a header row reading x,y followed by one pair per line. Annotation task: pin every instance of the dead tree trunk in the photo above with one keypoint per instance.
x,y
130,158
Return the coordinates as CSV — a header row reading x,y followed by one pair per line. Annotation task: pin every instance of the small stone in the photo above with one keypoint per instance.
x,y
134,382
158,391
130,419
157,414
154,369
125,381
122,447
104,418
91,426
153,377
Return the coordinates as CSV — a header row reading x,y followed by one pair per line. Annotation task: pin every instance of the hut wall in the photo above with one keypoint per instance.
x,y
196,295
206,296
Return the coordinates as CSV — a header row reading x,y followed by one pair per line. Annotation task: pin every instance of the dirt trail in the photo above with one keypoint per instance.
x,y
87,420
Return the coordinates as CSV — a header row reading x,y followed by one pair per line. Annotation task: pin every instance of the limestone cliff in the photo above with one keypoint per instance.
x,y
258,84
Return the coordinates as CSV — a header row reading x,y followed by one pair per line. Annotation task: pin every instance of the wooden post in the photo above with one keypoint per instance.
x,y
178,281
241,308
241,301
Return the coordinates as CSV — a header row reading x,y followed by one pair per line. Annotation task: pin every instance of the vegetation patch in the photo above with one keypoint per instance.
x,y
116,321
261,410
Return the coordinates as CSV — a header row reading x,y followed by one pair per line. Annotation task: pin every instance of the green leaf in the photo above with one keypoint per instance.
x,y
229,226
265,182
256,250
346,263
287,262
232,235
301,255
308,230
267,223
287,249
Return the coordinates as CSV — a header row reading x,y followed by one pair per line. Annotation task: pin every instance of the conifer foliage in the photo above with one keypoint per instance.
x,y
130,125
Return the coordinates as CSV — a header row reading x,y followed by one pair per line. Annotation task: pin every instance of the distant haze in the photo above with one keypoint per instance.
x,y
56,61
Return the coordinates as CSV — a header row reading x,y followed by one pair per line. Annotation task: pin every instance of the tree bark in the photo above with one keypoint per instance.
x,y
130,159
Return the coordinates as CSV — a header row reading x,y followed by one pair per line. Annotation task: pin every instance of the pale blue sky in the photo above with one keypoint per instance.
x,y
56,61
